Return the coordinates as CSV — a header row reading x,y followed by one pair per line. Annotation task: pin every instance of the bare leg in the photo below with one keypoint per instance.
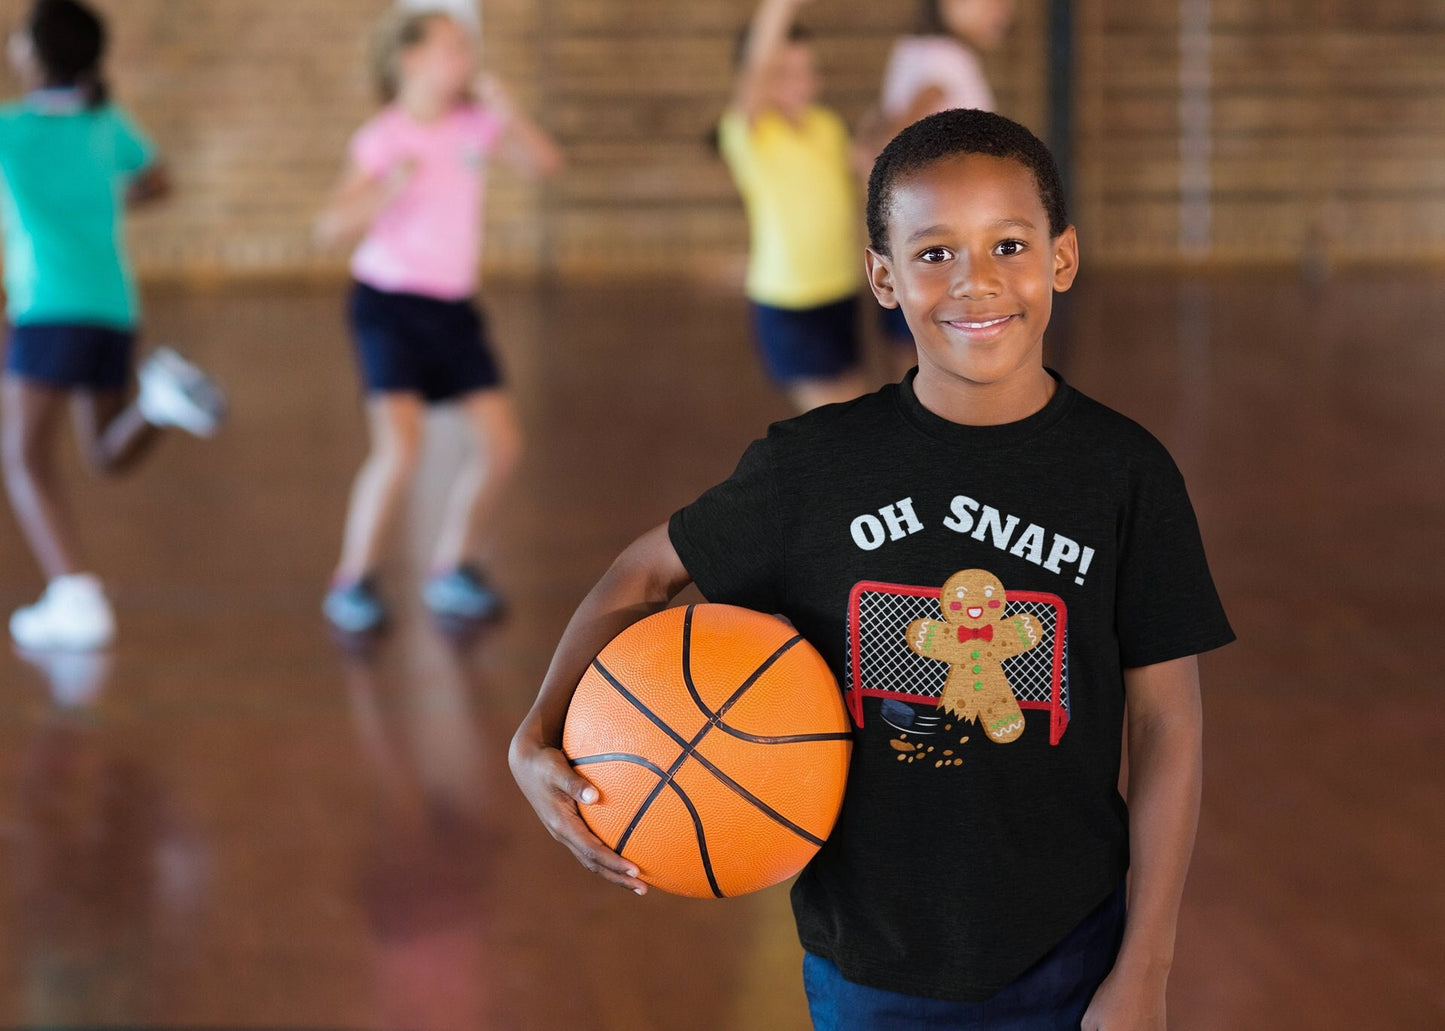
x,y
31,419
496,448
112,434
395,422
807,394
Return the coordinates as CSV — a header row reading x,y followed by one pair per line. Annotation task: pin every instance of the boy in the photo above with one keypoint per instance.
x,y
988,893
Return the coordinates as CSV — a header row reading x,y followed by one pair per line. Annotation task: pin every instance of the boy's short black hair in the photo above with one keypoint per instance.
x,y
951,133
69,40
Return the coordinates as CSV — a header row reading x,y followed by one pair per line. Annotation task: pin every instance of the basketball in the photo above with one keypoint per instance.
x,y
718,742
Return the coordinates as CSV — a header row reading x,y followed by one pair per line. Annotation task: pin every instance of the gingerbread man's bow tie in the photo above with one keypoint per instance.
x,y
984,634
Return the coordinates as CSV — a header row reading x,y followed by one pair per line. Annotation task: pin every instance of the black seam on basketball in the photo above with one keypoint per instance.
x,y
687,664
689,748
756,674
637,760
621,757
636,703
758,803
643,808
787,739
667,775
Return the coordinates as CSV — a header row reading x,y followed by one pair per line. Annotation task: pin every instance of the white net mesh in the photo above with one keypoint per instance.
x,y
887,664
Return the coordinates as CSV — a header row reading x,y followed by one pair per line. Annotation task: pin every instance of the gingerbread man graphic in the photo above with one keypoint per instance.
x,y
974,637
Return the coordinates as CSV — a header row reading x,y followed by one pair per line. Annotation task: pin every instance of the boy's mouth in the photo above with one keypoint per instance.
x,y
981,329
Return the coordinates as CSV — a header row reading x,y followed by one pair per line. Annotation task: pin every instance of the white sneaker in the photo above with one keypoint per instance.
x,y
173,392
72,614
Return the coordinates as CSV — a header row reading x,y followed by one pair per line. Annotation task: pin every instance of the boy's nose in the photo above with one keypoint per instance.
x,y
975,279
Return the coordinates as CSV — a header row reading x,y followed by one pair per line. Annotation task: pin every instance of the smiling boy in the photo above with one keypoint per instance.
x,y
988,890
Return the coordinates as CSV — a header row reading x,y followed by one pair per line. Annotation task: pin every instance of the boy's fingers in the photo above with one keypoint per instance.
x,y
580,788
594,854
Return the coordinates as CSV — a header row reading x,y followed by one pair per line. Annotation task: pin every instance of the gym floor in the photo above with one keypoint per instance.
x,y
235,821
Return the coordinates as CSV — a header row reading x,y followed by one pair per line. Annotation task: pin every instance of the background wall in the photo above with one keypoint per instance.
x,y
1207,130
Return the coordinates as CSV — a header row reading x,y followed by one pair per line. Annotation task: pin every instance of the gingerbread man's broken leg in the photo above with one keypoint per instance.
x,y
998,710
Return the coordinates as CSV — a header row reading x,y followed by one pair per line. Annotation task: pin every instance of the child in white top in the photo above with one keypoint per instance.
x,y
935,70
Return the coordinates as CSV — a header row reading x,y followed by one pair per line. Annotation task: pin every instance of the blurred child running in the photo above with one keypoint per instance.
x,y
71,162
411,200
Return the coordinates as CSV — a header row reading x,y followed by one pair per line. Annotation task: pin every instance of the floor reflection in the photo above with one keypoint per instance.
x,y
428,859
106,879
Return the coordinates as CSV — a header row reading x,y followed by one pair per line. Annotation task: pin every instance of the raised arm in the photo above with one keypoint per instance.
x,y
767,35
642,581
525,146
1165,773
876,129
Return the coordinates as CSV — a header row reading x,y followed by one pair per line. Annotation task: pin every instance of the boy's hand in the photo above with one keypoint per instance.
x,y
554,788
1127,1002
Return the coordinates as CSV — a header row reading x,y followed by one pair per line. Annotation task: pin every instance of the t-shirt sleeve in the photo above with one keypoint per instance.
x,y
735,143
1166,604
134,150
729,539
488,127
373,148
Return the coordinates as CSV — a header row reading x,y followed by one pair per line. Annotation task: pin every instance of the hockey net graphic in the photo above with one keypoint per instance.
x,y
881,665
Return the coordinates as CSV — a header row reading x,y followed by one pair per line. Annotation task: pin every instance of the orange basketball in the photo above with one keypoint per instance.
x,y
719,745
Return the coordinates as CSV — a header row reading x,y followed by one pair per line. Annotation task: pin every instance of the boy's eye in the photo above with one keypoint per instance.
x,y
934,255
1009,248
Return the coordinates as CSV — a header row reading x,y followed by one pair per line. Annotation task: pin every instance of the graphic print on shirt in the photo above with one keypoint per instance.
x,y
992,654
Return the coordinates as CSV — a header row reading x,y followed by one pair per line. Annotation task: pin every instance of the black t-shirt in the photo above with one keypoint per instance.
x,y
1070,552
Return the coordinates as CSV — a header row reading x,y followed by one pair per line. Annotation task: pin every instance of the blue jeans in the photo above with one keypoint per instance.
x,y
1052,995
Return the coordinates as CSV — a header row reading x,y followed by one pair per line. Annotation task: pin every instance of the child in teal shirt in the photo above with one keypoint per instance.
x,y
70,163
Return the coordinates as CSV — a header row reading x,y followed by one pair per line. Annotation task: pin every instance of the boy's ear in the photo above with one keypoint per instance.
x,y
1066,259
880,277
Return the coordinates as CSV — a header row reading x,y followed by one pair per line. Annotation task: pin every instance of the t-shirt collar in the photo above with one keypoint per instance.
x,y
57,100
984,436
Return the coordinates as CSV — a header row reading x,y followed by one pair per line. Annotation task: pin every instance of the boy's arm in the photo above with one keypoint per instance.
x,y
1165,774
524,146
766,36
642,581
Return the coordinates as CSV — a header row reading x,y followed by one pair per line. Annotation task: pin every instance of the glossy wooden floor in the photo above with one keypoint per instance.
x,y
231,821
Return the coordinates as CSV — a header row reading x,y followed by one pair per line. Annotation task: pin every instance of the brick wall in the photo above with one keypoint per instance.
x,y
1326,126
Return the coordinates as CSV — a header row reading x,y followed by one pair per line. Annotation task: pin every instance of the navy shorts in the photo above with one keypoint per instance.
x,y
807,343
71,355
895,326
1052,995
421,345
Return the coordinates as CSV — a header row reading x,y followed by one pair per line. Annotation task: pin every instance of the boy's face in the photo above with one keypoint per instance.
x,y
973,267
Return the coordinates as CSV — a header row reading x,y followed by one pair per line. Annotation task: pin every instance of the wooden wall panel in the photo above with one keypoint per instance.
x,y
1326,132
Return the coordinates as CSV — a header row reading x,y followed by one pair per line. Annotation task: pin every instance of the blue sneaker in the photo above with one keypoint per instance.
x,y
354,608
462,593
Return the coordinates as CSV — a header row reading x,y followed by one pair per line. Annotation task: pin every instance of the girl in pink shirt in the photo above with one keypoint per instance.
x,y
411,202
